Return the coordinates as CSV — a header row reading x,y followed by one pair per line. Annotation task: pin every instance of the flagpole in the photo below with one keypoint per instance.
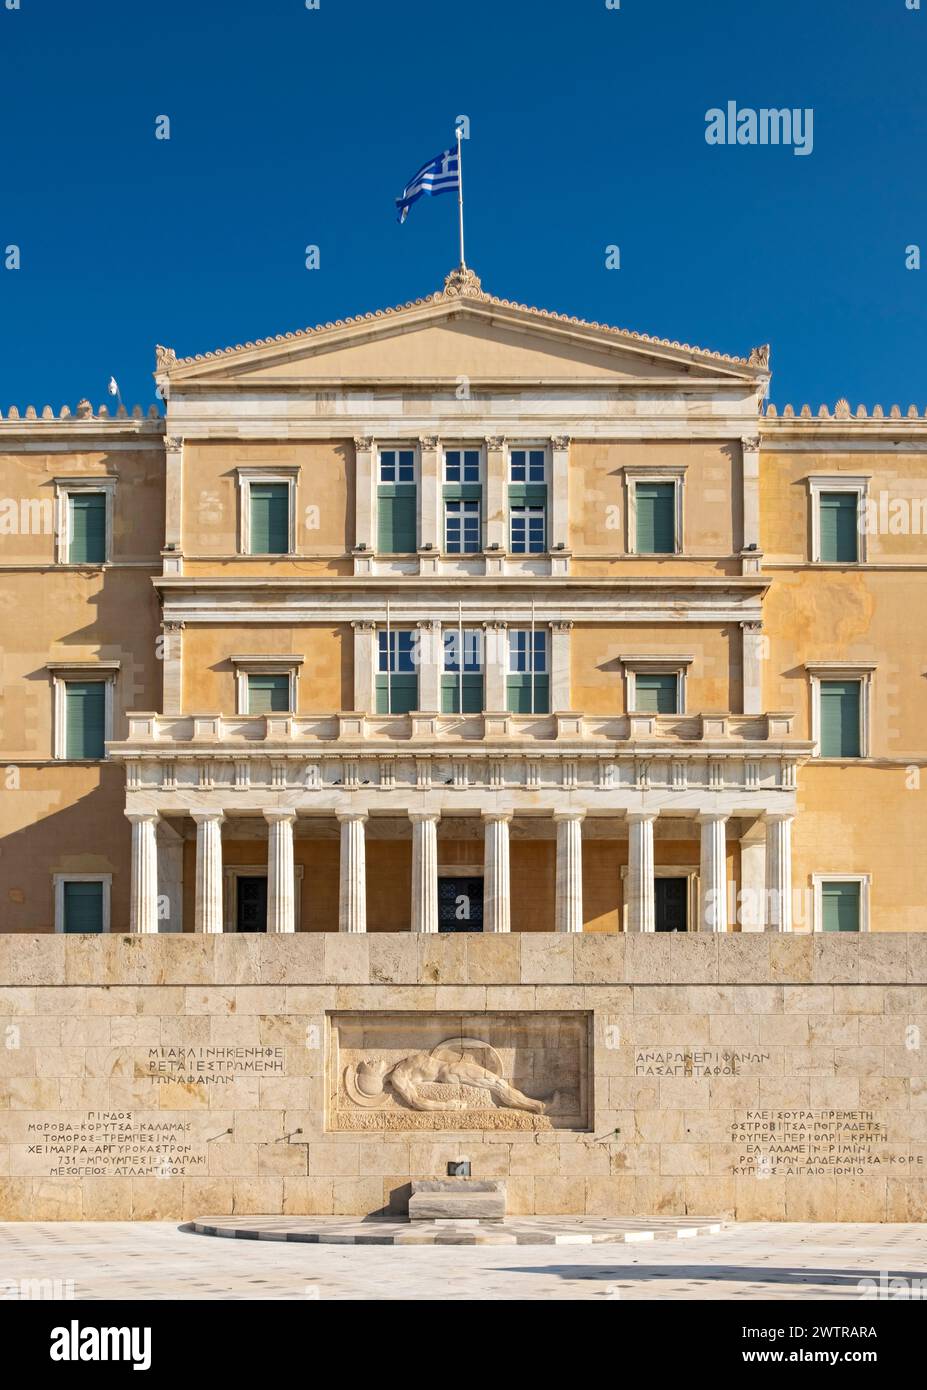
x,y
463,263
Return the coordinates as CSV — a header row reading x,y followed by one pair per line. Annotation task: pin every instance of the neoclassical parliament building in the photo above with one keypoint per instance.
x,y
462,616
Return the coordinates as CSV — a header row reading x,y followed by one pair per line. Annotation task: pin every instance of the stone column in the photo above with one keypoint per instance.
x,y
281,898
172,668
496,666
713,883
752,896
752,667
352,881
208,911
430,496
751,490
430,649
497,909
560,696
365,491
641,899
365,665
424,870
495,531
559,496
778,914
569,901
143,891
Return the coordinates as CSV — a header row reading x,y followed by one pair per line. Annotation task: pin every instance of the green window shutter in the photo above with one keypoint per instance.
x,y
268,694
840,732
656,518
87,528
472,693
655,694
404,693
270,518
83,907
519,694
840,906
839,529
85,718
397,529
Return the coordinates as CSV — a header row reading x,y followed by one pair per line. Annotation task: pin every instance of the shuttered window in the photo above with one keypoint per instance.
x,y
268,693
270,518
462,690
87,528
83,907
397,522
397,672
656,518
840,719
656,693
840,906
85,718
839,529
528,682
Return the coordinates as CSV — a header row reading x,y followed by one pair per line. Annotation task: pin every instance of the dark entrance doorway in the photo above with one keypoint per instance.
x,y
251,904
671,904
460,904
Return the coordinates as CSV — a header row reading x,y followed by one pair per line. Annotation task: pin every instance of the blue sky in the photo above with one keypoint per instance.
x,y
292,127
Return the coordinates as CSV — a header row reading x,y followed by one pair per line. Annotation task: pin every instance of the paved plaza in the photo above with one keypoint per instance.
x,y
160,1260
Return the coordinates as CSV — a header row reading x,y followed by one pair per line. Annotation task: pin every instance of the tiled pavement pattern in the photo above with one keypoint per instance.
x,y
158,1260
538,1230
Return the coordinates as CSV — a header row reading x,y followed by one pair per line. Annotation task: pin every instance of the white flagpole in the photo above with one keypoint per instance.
x,y
460,660
463,263
389,665
531,656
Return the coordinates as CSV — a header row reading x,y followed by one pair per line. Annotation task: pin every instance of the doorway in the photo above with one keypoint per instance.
x,y
460,904
671,904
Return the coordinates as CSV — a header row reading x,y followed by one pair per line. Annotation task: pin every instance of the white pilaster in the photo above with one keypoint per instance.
x,y
640,879
430,651
173,493
424,870
560,497
495,495
497,910
208,910
569,900
713,871
365,657
752,895
143,889
172,668
778,916
429,497
365,512
496,666
281,897
352,880
560,693
752,667
751,490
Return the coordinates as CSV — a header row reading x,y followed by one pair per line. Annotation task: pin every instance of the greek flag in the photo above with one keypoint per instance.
x,y
439,175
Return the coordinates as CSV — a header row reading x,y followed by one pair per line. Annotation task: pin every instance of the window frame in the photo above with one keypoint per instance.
x,y
287,474
257,665
454,680
405,447
527,449
821,671
819,483
58,882
65,489
462,502
528,507
817,883
655,665
462,481
65,673
676,474
541,630
392,648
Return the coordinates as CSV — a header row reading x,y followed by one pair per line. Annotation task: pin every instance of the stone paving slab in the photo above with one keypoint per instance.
x,y
590,1230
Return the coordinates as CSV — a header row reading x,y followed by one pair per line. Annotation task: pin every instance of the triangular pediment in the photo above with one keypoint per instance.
x,y
462,333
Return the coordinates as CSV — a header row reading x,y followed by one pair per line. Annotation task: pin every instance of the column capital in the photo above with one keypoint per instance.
x,y
205,817
429,441
420,817
779,817
639,817
569,814
142,817
497,815
276,815
560,441
351,815
712,817
495,443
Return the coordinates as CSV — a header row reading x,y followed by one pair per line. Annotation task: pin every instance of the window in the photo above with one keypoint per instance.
x,y
462,466
268,693
527,466
82,902
840,719
397,671
528,528
528,682
85,714
838,511
87,528
397,527
839,527
656,692
462,683
270,519
841,902
462,527
656,518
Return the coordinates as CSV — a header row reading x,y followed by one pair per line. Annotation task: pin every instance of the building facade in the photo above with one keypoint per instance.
x,y
462,616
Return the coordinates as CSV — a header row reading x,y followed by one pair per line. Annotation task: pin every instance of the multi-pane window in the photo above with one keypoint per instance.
x,y
840,709
85,718
528,526
655,508
656,692
86,528
462,526
527,466
841,905
528,681
397,671
839,527
462,466
397,529
270,519
462,680
268,693
82,905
